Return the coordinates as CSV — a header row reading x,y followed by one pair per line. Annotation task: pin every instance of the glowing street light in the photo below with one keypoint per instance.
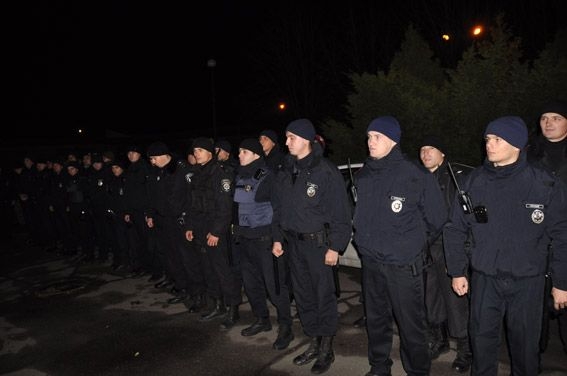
x,y
282,106
477,30
445,37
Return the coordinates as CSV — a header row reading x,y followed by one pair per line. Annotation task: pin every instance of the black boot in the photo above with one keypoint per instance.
x,y
260,325
285,336
360,323
309,354
196,303
326,356
231,317
181,296
462,362
218,310
439,340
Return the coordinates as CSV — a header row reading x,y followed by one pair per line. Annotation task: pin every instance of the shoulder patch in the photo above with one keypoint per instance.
x,y
225,185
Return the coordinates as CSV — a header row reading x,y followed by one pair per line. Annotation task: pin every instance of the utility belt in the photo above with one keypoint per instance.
x,y
320,236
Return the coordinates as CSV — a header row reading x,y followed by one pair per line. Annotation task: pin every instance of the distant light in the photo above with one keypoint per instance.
x,y
80,131
282,106
445,37
477,30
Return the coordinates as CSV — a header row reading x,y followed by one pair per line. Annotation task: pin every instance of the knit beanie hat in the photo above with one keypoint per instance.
x,y
436,142
224,145
253,145
557,106
388,126
302,128
270,134
510,128
157,148
204,143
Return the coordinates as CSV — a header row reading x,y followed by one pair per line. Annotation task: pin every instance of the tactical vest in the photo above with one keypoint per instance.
x,y
202,196
251,213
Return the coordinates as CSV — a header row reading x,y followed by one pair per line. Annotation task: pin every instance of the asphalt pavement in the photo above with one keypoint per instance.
x,y
59,316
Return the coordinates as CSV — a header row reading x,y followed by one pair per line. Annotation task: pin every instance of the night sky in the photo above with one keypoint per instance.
x,y
140,67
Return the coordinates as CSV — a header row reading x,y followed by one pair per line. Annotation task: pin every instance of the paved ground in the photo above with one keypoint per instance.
x,y
108,324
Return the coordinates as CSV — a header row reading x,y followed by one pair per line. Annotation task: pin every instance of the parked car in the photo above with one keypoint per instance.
x,y
350,257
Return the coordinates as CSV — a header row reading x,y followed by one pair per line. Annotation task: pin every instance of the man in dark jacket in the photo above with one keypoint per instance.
x,y
447,313
207,227
548,149
516,210
400,209
271,147
312,215
254,196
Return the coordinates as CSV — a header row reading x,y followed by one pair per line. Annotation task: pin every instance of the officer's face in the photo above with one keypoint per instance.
x,y
246,156
499,151
553,126
72,170
267,143
431,157
133,156
298,146
202,155
117,170
160,160
379,145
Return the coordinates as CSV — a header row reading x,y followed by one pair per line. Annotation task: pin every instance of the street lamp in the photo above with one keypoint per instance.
x,y
212,63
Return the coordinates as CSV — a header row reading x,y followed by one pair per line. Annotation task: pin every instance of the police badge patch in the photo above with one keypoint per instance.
x,y
188,177
311,189
537,216
225,185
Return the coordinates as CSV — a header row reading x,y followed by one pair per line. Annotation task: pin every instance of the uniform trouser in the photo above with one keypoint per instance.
x,y
258,275
517,300
45,229
138,242
170,247
29,209
62,226
119,243
102,232
156,259
221,280
313,287
80,236
192,264
392,291
441,301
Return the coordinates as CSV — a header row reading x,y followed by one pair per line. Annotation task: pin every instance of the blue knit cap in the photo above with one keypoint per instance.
x,y
510,128
302,128
388,126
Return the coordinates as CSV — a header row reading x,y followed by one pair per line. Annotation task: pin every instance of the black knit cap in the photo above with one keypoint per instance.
x,y
272,135
302,128
204,143
253,145
436,142
120,162
157,148
557,107
510,128
135,148
224,145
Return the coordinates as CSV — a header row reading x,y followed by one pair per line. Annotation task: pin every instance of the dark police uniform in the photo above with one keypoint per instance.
x,y
253,194
526,207
399,209
312,214
211,212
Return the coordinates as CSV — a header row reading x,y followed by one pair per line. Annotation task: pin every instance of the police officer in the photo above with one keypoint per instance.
x,y
164,213
209,220
400,209
516,209
253,194
447,313
272,152
312,215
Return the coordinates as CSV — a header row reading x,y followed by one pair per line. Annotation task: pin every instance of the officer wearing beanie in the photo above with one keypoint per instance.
x,y
313,217
253,196
136,177
207,228
447,313
516,209
548,149
115,215
166,205
400,209
271,147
